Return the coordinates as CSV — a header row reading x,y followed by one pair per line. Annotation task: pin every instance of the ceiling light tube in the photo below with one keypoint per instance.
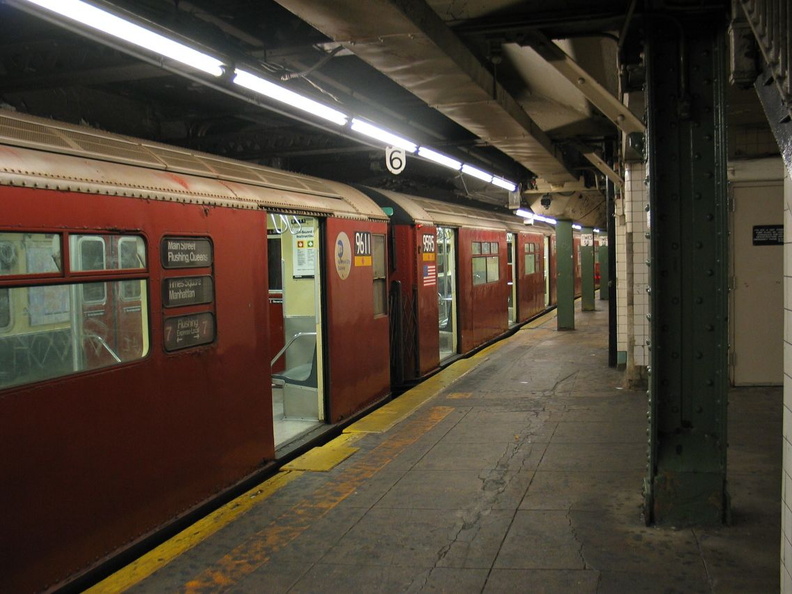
x,y
543,219
388,138
439,158
478,173
526,214
264,87
101,20
504,183
576,226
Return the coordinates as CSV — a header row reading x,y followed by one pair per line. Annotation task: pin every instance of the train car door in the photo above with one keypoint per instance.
x,y
446,292
511,280
296,342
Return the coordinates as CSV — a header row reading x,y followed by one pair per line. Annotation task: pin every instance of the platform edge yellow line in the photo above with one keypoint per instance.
x,y
159,557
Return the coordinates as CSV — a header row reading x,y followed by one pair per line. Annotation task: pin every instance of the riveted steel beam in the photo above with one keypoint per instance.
x,y
686,480
616,111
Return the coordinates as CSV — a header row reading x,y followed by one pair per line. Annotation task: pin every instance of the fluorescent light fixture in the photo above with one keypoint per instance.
x,y
264,87
129,32
543,219
533,217
388,138
478,173
596,230
521,212
504,183
576,226
439,158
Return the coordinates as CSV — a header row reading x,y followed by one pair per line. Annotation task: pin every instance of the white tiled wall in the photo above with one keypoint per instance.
x,y
786,485
632,272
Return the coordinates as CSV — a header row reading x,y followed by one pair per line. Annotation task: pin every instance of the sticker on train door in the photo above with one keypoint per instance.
x,y
343,255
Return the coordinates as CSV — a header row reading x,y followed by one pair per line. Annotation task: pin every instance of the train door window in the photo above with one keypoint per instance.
x,y
530,258
486,267
380,281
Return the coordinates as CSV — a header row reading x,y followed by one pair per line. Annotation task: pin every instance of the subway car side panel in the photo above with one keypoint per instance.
x,y
357,315
101,457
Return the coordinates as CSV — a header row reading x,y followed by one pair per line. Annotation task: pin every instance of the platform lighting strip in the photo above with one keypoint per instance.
x,y
531,217
129,32
377,133
106,22
264,87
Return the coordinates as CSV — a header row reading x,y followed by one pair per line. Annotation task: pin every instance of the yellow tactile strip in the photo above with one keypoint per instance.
x,y
256,550
192,536
319,459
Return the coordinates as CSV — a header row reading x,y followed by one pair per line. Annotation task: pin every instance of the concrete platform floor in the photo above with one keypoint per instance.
x,y
521,473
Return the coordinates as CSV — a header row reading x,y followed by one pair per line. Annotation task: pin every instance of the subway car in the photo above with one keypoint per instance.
x,y
172,323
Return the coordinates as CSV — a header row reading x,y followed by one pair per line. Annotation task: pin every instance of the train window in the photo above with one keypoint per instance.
x,y
131,256
29,253
52,330
56,333
476,248
494,247
380,281
131,253
5,309
8,257
88,254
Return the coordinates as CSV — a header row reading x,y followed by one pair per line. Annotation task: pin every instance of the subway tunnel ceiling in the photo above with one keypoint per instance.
x,y
389,61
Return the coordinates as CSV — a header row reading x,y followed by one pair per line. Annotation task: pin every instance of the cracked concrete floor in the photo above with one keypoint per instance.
x,y
524,475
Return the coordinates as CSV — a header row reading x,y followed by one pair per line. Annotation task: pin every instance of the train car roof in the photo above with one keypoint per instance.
x,y
47,154
415,209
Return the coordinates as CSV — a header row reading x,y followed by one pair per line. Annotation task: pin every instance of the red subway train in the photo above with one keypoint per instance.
x,y
172,322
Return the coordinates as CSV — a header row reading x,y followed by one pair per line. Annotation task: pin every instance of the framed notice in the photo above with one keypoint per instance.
x,y
304,243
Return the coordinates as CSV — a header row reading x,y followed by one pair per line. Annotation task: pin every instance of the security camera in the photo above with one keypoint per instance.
x,y
545,201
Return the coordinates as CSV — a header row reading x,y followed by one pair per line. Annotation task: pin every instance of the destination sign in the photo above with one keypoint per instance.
x,y
186,252
184,332
187,290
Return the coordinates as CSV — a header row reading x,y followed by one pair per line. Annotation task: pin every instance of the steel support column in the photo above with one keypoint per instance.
x,y
686,75
565,279
613,340
604,267
587,268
